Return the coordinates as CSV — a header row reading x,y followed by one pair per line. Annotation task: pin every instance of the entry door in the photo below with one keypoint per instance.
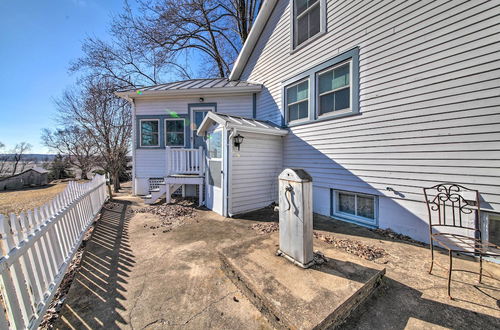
x,y
215,177
197,116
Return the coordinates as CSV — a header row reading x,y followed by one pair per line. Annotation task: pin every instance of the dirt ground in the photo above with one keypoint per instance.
x,y
137,274
16,201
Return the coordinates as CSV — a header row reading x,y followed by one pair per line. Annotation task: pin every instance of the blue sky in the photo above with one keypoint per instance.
x,y
38,39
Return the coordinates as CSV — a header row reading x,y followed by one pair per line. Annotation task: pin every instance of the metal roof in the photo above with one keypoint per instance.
x,y
240,124
210,85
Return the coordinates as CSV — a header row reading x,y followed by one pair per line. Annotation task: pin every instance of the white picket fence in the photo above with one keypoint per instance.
x,y
37,248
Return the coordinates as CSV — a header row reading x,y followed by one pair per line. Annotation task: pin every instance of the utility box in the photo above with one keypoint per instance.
x,y
296,217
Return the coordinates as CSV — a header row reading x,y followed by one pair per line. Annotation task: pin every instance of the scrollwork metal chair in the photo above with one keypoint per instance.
x,y
451,207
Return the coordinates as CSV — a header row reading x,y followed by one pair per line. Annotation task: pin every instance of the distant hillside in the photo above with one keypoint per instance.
x,y
35,157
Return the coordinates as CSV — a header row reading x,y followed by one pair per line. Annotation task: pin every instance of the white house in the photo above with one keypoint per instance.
x,y
374,99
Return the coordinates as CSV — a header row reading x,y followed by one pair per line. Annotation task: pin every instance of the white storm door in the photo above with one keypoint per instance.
x,y
215,177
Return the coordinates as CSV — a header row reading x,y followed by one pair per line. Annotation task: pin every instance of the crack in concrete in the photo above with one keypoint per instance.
x,y
163,321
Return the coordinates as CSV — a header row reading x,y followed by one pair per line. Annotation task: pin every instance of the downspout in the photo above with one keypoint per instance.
x,y
228,162
134,125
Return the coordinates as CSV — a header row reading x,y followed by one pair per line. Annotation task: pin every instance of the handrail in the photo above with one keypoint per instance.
x,y
185,161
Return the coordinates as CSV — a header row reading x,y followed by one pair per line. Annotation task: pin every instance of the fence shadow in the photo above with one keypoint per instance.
x,y
105,266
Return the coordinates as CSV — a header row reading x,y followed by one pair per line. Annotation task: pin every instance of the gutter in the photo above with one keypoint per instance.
x,y
190,92
228,163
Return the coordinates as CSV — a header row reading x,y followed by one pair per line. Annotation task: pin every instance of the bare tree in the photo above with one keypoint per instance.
x,y
105,117
76,143
4,159
157,42
18,153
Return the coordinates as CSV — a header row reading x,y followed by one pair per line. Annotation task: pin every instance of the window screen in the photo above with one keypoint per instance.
x,y
297,97
334,89
307,19
214,173
174,132
149,133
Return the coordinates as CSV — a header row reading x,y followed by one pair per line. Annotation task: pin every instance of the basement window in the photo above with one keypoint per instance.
x,y
175,132
356,207
150,133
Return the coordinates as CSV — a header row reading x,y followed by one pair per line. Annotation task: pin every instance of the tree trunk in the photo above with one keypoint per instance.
x,y
116,181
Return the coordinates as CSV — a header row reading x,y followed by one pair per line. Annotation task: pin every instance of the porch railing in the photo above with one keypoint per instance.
x,y
185,161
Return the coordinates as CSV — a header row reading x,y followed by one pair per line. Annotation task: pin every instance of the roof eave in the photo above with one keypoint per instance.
x,y
191,92
253,37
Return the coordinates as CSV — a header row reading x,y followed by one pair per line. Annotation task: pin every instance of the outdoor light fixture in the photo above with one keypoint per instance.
x,y
238,140
202,100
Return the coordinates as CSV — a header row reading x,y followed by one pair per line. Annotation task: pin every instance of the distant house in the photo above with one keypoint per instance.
x,y
32,177
375,99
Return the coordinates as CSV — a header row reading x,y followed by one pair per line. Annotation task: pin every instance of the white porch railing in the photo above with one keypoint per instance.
x,y
37,248
185,161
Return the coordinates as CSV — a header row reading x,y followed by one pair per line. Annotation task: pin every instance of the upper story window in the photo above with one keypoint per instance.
x,y
150,133
324,92
297,101
175,132
307,19
334,89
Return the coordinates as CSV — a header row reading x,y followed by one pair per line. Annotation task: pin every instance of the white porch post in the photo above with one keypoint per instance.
x,y
168,160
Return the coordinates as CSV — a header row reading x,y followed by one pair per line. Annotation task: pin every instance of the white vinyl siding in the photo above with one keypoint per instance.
x,y
429,82
150,163
254,172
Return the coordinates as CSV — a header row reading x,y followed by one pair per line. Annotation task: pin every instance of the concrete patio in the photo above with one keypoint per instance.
x,y
132,277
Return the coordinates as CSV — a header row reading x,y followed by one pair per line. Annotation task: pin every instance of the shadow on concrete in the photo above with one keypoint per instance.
x,y
105,266
346,269
397,306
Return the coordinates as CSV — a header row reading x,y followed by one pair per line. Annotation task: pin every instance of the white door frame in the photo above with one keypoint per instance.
x,y
217,191
191,115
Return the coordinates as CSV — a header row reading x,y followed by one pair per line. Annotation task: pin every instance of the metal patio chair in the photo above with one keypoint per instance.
x,y
451,207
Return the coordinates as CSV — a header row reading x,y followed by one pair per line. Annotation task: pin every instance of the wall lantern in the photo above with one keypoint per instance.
x,y
202,100
238,140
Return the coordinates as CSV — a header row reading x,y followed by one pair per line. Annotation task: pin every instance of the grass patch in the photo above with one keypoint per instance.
x,y
16,201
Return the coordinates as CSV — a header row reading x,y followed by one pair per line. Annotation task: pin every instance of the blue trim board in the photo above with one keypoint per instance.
x,y
254,106
161,127
187,127
311,74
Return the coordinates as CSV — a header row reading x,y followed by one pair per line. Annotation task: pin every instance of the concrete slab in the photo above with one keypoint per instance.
x,y
320,297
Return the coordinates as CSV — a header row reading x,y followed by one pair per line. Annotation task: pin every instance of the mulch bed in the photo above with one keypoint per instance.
x,y
368,252
357,248
389,233
176,214
56,305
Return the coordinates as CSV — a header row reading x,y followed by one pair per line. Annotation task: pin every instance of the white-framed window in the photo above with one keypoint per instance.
x,y
297,101
307,20
175,132
334,92
150,132
357,207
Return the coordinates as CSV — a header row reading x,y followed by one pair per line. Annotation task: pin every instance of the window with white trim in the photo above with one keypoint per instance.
x,y
297,101
175,132
306,20
334,90
361,208
150,129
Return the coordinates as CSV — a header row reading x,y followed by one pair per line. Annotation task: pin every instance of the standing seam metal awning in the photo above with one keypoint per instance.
x,y
240,124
